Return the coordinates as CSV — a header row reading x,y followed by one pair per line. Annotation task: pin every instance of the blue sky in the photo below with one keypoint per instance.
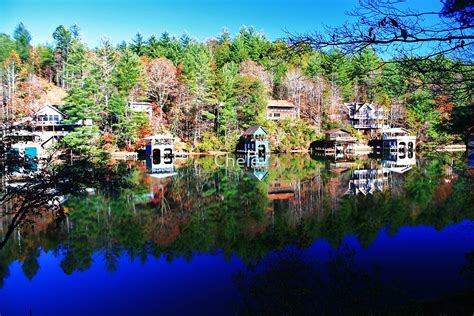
x,y
121,20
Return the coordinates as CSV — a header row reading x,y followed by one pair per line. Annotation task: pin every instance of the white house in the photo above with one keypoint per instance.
x,y
49,126
365,116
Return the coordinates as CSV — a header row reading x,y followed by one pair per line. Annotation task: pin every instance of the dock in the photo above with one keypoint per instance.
x,y
124,155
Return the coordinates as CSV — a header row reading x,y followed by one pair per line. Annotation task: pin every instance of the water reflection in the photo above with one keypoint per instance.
x,y
186,208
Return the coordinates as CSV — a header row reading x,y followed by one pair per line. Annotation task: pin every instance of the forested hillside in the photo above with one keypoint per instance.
x,y
207,93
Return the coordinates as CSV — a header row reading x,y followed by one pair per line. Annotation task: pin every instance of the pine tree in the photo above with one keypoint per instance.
x,y
22,40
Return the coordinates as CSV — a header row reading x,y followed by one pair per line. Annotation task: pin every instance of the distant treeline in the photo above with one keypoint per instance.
x,y
207,93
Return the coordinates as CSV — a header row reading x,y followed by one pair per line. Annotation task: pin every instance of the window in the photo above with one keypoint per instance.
x,y
56,118
276,114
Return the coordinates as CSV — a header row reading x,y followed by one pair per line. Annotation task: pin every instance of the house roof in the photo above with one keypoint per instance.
x,y
160,136
337,130
395,130
252,130
51,107
358,106
280,104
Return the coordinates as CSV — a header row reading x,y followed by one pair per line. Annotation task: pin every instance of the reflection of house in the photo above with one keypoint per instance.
x,y
368,181
366,116
255,167
142,107
281,190
254,142
160,167
398,162
280,109
341,166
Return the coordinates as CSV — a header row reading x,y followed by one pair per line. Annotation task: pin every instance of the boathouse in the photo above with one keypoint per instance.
x,y
398,139
159,146
337,142
254,142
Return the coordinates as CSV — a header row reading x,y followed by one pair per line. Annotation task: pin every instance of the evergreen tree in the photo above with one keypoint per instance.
x,y
22,40
6,46
138,45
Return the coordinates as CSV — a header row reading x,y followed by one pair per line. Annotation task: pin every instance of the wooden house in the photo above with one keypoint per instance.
x,y
337,142
339,135
254,142
281,109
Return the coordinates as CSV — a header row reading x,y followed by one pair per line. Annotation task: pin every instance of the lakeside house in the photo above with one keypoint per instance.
x,y
33,135
366,117
281,109
254,142
339,135
159,146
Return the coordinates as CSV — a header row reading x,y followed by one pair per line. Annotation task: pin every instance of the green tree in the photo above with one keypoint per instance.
x,y
251,101
6,46
22,41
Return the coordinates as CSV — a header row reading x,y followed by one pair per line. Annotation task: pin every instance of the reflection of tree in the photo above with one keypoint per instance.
x,y
291,282
468,269
208,209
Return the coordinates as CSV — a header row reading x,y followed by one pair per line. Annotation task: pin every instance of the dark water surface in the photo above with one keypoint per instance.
x,y
294,235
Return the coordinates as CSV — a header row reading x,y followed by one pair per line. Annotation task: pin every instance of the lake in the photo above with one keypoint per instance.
x,y
291,234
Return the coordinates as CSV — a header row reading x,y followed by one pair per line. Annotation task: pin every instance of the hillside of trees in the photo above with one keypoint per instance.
x,y
207,93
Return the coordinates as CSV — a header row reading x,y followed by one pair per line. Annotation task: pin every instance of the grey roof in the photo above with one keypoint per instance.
x,y
252,130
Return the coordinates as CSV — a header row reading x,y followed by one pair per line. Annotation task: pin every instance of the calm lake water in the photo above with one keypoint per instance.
x,y
293,235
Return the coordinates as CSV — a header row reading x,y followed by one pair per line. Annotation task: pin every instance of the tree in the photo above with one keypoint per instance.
x,y
386,26
161,80
252,69
251,101
102,72
138,44
197,75
9,78
6,46
63,39
22,41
